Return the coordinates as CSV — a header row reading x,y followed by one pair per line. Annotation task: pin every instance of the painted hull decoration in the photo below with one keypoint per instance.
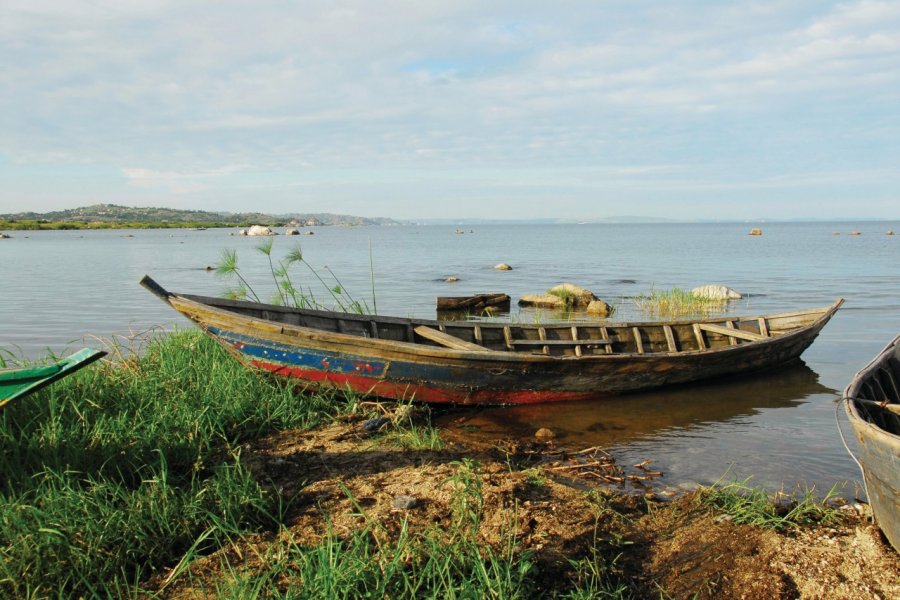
x,y
872,401
493,363
18,383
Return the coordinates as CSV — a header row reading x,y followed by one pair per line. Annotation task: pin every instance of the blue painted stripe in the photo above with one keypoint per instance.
x,y
300,357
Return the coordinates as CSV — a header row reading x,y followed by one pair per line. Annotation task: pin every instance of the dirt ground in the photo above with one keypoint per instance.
x,y
674,548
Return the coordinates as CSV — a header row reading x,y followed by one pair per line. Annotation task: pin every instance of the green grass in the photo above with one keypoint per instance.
x,y
755,506
114,472
676,303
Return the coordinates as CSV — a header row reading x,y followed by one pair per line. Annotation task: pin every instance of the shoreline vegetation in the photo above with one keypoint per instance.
x,y
172,471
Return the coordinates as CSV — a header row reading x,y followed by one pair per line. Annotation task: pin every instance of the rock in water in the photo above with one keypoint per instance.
x,y
755,232
716,292
544,434
542,301
599,308
579,296
260,230
503,267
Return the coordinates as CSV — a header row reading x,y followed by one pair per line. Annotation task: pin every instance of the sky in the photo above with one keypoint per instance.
x,y
452,109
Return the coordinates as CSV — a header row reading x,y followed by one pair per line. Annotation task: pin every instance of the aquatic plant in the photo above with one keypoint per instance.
x,y
287,293
676,303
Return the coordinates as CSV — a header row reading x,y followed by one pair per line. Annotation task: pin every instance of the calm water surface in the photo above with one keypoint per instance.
x,y
64,288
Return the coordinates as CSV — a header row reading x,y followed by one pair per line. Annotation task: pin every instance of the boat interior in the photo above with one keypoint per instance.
x,y
557,339
877,395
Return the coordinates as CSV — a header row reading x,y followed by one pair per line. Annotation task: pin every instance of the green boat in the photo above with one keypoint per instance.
x,y
16,383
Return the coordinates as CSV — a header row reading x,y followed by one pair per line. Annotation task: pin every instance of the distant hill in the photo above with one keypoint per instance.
x,y
112,213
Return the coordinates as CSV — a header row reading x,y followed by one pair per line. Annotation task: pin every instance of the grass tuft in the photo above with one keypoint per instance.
x,y
676,303
754,506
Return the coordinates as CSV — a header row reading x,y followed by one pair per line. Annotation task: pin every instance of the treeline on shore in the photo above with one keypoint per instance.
x,y
40,224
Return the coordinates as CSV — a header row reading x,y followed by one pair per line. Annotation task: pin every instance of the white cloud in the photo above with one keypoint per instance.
x,y
182,88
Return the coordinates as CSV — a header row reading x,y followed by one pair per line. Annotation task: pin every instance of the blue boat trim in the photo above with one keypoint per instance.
x,y
310,359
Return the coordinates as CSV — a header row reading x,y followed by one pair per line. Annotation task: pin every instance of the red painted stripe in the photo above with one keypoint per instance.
x,y
421,393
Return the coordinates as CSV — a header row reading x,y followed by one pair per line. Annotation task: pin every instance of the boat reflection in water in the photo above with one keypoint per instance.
x,y
695,433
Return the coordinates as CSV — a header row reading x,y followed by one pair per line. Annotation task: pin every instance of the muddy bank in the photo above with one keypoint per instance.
x,y
339,480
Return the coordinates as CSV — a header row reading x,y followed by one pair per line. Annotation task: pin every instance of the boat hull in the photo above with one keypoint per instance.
x,y
407,359
877,433
463,380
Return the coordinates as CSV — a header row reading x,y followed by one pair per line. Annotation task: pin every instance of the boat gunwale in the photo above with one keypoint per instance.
x,y
372,346
857,419
214,302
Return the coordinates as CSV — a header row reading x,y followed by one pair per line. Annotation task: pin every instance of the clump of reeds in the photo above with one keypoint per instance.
x,y
677,303
289,289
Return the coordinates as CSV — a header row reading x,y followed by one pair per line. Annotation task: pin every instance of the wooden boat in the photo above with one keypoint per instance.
x,y
493,363
16,383
872,401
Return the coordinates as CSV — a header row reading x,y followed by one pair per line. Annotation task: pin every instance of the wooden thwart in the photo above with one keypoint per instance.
x,y
738,333
445,339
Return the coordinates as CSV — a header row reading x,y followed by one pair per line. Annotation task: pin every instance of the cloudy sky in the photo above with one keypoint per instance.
x,y
424,108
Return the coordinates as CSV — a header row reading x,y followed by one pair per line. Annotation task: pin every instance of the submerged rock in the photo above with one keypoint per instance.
x,y
503,267
716,292
292,232
542,301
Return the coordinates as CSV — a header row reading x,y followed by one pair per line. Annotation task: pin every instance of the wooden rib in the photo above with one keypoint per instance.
x,y
575,339
637,340
410,333
739,333
542,335
507,337
890,377
340,325
604,335
698,333
670,338
373,329
448,340
763,327
732,341
476,331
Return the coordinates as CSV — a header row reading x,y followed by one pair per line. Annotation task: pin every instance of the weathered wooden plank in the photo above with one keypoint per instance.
x,y
586,343
890,407
670,338
604,335
698,333
575,339
763,327
739,333
476,302
637,339
542,335
447,340
507,337
732,341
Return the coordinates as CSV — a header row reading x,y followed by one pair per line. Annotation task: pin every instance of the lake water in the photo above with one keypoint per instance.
x,y
65,289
